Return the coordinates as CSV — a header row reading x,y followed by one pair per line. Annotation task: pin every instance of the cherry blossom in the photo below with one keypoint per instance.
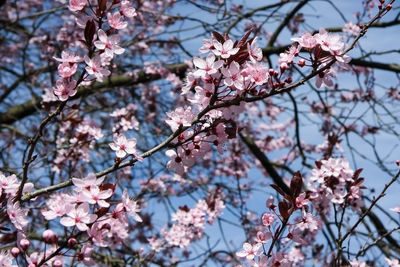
x,y
224,50
351,28
208,66
66,70
95,67
56,206
8,184
250,251
232,75
123,146
180,116
65,89
115,21
130,206
127,9
396,209
17,215
79,217
255,52
6,259
96,196
109,43
68,58
85,183
77,5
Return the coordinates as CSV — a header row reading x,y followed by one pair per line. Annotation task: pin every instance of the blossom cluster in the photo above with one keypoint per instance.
x,y
189,224
301,233
230,70
102,45
322,47
333,181
88,209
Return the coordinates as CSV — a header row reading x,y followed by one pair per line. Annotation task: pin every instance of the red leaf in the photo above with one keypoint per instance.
x,y
218,37
284,209
296,185
90,30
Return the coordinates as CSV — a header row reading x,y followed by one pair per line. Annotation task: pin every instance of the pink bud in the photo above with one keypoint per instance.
x,y
72,242
15,252
49,236
397,162
301,63
288,80
57,263
24,243
271,71
389,7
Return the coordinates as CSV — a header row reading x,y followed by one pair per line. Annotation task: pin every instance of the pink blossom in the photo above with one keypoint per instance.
x,y
208,45
79,217
85,183
396,209
65,89
109,43
77,5
6,259
263,237
250,251
94,67
180,116
175,164
323,79
351,28
357,263
267,219
123,146
224,50
68,58
96,196
232,75
17,215
115,22
66,70
307,40
127,9
131,206
208,66
257,73
301,200
8,184
85,255
393,262
329,42
255,52
57,206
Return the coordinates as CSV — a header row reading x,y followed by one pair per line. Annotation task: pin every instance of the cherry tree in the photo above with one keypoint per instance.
x,y
199,133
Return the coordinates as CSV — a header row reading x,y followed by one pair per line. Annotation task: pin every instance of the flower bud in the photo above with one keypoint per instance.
x,y
288,80
57,263
24,244
72,242
301,63
49,236
271,71
389,7
15,252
